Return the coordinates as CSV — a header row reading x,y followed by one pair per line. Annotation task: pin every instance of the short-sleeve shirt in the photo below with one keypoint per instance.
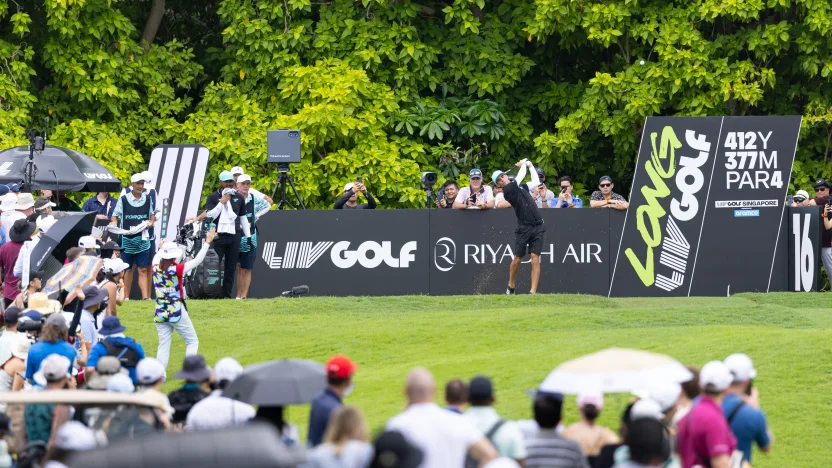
x,y
826,235
508,440
748,425
444,437
40,350
484,194
598,196
547,449
524,206
704,434
576,203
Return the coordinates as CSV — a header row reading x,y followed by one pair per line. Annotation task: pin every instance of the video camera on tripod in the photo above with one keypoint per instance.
x,y
284,149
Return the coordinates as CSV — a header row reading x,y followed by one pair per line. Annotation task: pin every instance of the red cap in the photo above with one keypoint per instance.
x,y
340,367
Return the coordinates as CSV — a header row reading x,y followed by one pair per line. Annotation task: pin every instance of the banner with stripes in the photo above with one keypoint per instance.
x,y
179,176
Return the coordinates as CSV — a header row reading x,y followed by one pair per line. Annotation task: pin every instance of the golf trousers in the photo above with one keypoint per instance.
x,y
227,247
186,330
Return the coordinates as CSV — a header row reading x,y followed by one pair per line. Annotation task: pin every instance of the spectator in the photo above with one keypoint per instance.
x,y
340,370
113,286
476,195
102,204
20,232
35,284
114,343
703,437
345,442
228,211
392,450
741,407
448,194
43,207
604,197
72,437
9,336
43,224
197,377
217,411
120,383
666,394
89,246
255,208
25,205
504,435
822,194
53,340
131,210
648,444
456,396
690,391
15,364
541,193
547,448
110,249
63,203
10,214
444,437
289,434
41,418
236,172
591,436
92,297
799,198
565,198
646,408
500,198
348,201
73,253
104,367
150,374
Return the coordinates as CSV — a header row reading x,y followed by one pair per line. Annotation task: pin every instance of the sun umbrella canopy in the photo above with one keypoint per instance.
x,y
614,370
79,272
50,253
57,168
279,383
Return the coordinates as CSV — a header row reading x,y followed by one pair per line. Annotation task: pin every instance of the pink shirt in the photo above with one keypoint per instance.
x,y
704,433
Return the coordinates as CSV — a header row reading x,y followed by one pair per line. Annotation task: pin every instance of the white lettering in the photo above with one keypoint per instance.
x,y
765,139
571,251
473,255
371,254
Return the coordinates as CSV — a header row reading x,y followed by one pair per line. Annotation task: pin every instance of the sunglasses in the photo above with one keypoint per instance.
x,y
821,189
606,185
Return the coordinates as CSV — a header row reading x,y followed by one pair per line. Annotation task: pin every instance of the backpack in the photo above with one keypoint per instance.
x,y
127,356
471,462
206,280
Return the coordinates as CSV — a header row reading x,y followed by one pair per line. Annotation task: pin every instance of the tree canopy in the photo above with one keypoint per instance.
x,y
387,89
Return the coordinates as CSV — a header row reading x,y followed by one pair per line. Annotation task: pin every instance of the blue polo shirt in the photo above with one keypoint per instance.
x,y
748,425
40,350
322,407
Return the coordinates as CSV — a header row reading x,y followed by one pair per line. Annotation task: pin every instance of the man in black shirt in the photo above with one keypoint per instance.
x,y
228,210
347,201
530,230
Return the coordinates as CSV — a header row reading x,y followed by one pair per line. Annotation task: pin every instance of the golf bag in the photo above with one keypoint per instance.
x,y
205,282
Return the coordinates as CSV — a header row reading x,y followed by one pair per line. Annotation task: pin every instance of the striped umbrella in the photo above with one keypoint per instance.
x,y
79,272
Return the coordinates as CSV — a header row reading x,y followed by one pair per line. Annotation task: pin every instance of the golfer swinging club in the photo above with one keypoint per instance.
x,y
530,229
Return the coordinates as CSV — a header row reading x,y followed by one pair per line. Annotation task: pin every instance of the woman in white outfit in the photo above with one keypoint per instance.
x,y
171,313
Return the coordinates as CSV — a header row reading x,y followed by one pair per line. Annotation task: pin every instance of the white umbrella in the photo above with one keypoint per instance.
x,y
614,370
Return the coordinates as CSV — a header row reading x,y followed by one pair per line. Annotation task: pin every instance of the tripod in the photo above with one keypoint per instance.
x,y
282,178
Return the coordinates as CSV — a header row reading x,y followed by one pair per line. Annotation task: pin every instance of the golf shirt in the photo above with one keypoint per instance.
x,y
524,205
322,407
704,434
484,194
94,206
40,350
547,449
508,440
748,425
443,437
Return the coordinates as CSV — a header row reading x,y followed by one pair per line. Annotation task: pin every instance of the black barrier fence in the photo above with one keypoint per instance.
x,y
460,252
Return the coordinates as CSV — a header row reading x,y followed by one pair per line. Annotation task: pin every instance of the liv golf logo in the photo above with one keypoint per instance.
x,y
369,254
661,168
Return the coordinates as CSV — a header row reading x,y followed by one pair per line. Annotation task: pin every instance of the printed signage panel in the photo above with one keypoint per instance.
x,y
805,225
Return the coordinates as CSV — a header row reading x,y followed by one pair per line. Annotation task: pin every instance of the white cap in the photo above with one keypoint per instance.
x,y
149,371
138,177
227,368
9,200
87,242
75,436
120,383
802,193
24,201
237,170
46,222
664,392
646,408
715,374
349,186
170,251
243,178
148,176
55,367
115,265
741,367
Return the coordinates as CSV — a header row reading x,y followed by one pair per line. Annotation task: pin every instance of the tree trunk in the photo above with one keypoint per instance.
x,y
154,19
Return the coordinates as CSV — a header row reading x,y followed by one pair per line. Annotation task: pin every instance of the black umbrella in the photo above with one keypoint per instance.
x,y
50,253
57,168
279,383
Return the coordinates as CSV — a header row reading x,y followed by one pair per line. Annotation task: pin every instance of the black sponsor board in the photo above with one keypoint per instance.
x,y
803,237
745,206
342,253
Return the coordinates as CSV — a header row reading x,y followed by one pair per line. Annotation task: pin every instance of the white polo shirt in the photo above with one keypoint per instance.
x,y
444,437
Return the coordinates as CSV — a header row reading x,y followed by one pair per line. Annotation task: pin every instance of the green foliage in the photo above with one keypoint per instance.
x,y
389,89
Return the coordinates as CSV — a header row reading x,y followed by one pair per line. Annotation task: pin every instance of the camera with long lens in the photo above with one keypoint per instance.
x,y
30,326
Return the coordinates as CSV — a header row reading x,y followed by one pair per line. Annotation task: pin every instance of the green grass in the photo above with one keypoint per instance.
x,y
518,340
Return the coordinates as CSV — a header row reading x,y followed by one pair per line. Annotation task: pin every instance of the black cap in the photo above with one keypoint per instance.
x,y
35,275
821,183
110,245
605,178
480,389
11,315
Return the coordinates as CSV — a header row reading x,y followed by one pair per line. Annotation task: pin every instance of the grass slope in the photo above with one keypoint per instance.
x,y
518,340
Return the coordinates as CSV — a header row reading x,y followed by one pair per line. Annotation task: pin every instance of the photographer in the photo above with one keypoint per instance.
x,y
566,199
476,195
348,199
448,194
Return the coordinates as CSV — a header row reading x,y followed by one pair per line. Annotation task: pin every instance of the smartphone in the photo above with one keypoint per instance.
x,y
750,385
563,190
359,179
